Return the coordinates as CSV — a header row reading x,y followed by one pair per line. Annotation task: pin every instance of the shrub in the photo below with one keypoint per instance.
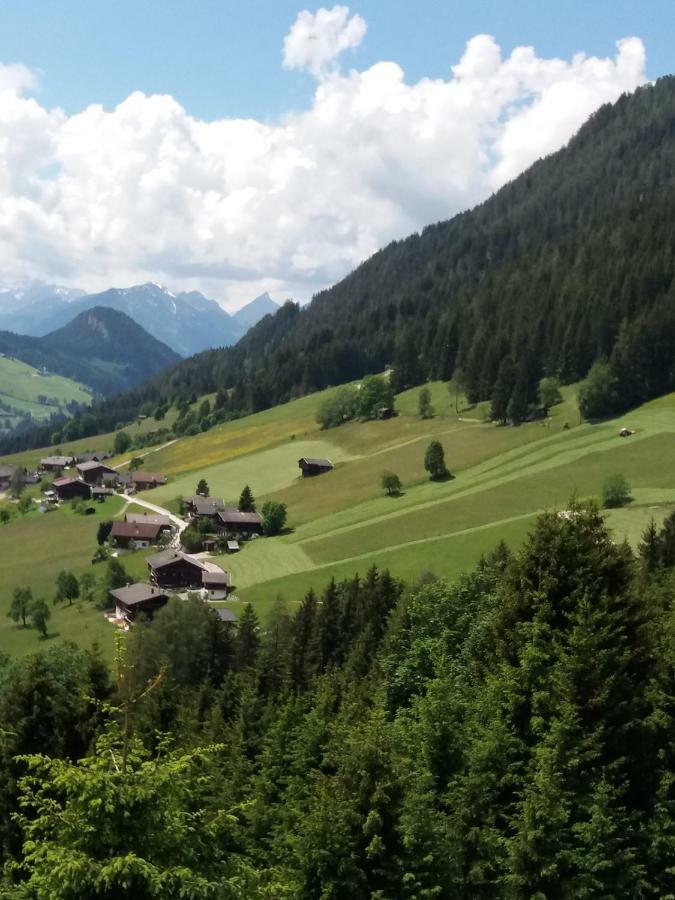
x,y
615,492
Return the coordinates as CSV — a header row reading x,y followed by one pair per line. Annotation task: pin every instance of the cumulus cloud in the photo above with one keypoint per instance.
x,y
317,39
236,206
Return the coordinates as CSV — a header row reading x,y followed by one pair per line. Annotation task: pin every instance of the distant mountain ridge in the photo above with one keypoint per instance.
x,y
253,312
187,322
101,348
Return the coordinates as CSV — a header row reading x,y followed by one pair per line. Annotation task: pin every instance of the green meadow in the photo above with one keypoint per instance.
x,y
340,523
27,390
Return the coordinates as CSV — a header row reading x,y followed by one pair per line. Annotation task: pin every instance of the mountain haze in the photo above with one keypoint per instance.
x,y
250,314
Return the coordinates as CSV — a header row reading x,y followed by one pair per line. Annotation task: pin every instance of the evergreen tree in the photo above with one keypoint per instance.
x,y
434,461
103,532
247,640
202,488
246,500
517,408
503,389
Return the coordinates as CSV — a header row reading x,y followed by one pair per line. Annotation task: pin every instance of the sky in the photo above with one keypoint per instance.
x,y
241,147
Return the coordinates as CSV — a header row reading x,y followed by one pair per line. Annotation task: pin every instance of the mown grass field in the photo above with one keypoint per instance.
x,y
22,386
341,523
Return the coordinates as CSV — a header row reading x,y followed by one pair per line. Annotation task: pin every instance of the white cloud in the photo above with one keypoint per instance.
x,y
317,39
233,207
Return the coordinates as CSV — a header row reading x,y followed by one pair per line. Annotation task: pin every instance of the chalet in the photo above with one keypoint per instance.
x,y
92,472
234,523
114,479
134,535
137,598
203,506
71,488
312,466
164,522
143,481
56,463
175,569
92,456
100,493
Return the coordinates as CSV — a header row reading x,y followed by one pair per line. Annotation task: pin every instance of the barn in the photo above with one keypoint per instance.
x,y
311,466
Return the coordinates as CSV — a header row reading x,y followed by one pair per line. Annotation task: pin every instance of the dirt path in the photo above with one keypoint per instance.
x,y
180,524
125,462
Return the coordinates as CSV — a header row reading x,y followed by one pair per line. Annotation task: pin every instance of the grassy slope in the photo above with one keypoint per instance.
x,y
21,385
341,523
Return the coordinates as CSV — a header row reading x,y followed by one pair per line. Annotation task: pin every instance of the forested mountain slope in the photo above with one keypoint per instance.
x,y
102,348
572,261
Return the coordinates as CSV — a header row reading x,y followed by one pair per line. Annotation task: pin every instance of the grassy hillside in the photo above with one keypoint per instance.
x,y
341,523
25,391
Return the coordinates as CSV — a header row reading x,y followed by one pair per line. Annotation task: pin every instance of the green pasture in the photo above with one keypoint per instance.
x,y
22,386
340,523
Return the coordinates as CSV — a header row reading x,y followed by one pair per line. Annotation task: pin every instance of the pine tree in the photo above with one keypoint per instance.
x,y
517,408
248,639
246,500
434,461
503,389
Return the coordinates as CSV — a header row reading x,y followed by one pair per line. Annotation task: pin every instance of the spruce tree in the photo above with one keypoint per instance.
x,y
246,500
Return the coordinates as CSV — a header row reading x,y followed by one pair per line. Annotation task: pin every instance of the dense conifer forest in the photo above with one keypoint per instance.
x,y
507,736
570,263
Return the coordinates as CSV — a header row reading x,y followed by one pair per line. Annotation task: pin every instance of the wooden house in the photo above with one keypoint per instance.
x,y
93,471
136,599
164,522
198,506
56,463
101,493
144,481
180,571
236,524
71,488
311,466
134,535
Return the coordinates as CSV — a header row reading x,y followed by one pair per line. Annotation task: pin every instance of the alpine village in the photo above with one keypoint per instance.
x,y
368,594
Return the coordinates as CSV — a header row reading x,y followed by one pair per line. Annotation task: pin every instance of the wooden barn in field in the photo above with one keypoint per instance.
x,y
71,488
311,466
134,535
56,463
144,481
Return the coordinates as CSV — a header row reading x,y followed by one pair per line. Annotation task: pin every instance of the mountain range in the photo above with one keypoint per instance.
x,y
101,348
186,322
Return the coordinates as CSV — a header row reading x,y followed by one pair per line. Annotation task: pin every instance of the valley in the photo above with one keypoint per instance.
x,y
26,392
341,524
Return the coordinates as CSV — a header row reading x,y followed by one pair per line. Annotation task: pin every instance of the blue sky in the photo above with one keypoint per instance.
x,y
250,147
220,58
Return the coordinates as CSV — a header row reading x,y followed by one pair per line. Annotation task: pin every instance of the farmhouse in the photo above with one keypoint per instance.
x,y
92,472
164,522
233,523
178,570
143,481
69,488
203,506
137,598
312,466
100,493
93,456
134,535
215,582
56,463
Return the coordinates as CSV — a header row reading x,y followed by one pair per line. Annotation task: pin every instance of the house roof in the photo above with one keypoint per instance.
x,y
7,471
142,531
92,465
149,518
66,479
106,492
93,455
235,517
169,557
147,476
56,461
138,593
225,615
312,461
206,506
214,576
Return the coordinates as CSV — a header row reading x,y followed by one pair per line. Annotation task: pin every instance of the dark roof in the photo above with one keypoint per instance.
x,y
206,506
225,615
145,532
169,557
147,476
92,465
150,519
311,461
57,461
93,455
235,517
137,593
104,491
66,479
